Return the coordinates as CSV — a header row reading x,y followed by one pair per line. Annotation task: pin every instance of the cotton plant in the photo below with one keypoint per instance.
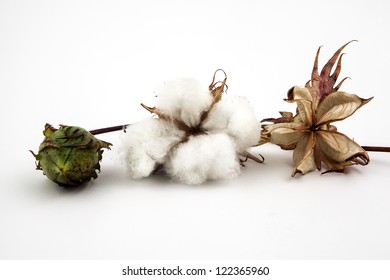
x,y
196,134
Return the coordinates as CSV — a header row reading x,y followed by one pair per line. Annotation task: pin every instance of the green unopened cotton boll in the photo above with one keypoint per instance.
x,y
69,155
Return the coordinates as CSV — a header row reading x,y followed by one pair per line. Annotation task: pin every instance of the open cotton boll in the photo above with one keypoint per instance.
x,y
204,157
146,144
236,117
197,136
184,99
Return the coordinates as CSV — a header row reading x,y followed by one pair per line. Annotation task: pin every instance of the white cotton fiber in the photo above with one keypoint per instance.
x,y
204,157
146,144
235,116
209,150
184,99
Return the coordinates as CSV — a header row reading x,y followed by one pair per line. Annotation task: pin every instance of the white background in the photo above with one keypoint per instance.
x,y
91,63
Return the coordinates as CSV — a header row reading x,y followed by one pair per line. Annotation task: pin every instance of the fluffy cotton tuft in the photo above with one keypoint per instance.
x,y
184,99
146,144
207,147
204,157
236,117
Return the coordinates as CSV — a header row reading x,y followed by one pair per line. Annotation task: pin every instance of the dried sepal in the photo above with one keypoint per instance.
x,y
298,93
303,155
217,88
246,155
337,148
284,134
151,110
179,123
338,106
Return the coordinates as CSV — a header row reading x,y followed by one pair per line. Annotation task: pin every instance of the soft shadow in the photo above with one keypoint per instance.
x,y
49,189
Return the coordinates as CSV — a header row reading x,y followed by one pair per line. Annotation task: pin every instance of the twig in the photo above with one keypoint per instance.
x,y
376,149
108,129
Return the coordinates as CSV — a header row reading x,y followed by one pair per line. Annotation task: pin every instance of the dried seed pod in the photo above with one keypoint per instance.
x,y
69,155
310,132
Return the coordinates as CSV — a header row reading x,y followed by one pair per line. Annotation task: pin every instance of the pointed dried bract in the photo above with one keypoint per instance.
x,y
310,132
322,84
218,88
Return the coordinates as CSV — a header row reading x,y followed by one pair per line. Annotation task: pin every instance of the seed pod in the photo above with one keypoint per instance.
x,y
69,155
311,133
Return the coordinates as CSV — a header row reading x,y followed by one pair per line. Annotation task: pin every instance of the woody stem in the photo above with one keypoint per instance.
x,y
376,149
108,129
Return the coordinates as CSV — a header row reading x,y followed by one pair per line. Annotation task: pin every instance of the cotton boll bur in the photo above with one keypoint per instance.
x,y
235,116
184,99
146,144
204,157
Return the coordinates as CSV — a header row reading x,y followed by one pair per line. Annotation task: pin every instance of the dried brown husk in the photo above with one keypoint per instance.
x,y
310,132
